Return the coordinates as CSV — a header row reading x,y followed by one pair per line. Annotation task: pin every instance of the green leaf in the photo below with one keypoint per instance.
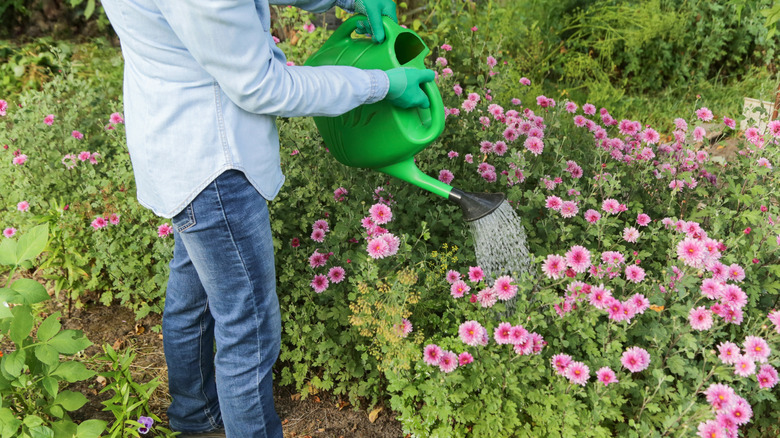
x,y
21,325
9,424
41,432
5,310
70,400
32,243
8,252
30,290
90,9
64,429
676,365
69,342
14,362
73,371
32,420
49,327
47,354
91,429
51,385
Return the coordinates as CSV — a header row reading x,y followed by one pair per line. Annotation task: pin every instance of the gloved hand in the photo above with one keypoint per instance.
x,y
374,10
405,91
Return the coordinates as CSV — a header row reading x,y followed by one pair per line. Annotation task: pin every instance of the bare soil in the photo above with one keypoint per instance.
x,y
322,415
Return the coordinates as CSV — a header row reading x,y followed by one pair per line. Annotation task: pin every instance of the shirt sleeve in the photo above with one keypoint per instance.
x,y
317,5
227,39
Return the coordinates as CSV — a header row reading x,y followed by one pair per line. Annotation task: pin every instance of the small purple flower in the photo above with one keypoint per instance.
x,y
146,424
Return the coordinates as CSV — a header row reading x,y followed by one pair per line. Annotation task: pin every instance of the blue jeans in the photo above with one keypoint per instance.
x,y
222,288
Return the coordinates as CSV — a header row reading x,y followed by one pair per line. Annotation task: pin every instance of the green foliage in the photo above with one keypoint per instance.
x,y
125,261
32,372
130,400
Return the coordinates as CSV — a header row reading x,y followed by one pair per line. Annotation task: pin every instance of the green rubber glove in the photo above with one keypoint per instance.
x,y
405,91
374,10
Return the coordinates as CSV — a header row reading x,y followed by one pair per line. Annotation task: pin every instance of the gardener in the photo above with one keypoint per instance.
x,y
203,84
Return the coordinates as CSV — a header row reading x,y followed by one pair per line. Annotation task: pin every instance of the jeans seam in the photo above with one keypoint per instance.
x,y
190,219
251,285
206,411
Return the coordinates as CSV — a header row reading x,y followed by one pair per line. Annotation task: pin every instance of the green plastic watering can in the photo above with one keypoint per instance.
x,y
384,137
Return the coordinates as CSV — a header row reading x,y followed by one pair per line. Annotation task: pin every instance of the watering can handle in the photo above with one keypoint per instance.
x,y
435,124
345,30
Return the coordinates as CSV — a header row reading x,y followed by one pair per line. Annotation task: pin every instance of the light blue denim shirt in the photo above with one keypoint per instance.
x,y
204,82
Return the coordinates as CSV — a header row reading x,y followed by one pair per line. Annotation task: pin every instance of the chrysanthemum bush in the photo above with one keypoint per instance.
x,y
65,164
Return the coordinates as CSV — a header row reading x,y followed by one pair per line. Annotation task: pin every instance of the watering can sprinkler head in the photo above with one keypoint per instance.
x,y
476,205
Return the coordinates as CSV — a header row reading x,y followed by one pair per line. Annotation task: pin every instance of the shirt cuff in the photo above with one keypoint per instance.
x,y
347,5
380,84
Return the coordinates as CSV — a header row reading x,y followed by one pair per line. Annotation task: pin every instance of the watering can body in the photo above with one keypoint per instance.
x,y
381,136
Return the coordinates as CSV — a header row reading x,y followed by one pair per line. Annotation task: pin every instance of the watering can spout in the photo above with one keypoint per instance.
x,y
476,205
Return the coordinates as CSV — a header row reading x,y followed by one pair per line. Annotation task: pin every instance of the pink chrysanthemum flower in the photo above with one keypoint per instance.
x,y
317,259
49,120
524,347
339,194
561,362
448,362
446,176
711,288
404,328
337,274
635,359
570,107
321,225
592,216
589,109
580,121
610,206
578,258
534,144
116,118
640,302
634,273
487,297
728,352
113,219
502,333
691,252
318,235
476,274
740,411
643,219
630,234
164,230
600,297
459,288
606,376
465,358
569,209
736,273
733,296
650,136
504,288
719,395
432,354
452,276
763,162
744,366
500,148
518,334
23,206
9,232
578,373
700,318
613,258
377,248
554,266
767,376
470,333
380,214
19,159
99,222
553,203
729,122
710,429
757,349
704,114
774,318
319,283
